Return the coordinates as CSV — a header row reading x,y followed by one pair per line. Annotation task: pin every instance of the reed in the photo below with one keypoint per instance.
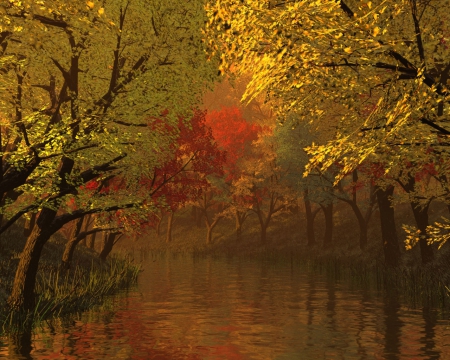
x,y
60,292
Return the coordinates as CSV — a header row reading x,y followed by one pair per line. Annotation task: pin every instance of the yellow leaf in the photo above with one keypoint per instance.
x,y
376,31
101,11
348,50
90,4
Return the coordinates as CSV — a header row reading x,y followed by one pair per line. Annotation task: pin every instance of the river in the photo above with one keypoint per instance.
x,y
187,308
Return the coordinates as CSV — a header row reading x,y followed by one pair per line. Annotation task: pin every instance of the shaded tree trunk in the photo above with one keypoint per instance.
x,y
29,225
353,203
310,235
91,241
109,240
420,213
86,224
240,217
169,227
328,236
22,295
391,246
210,225
71,244
158,225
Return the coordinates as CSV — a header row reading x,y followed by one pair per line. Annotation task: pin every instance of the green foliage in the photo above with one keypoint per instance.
x,y
82,79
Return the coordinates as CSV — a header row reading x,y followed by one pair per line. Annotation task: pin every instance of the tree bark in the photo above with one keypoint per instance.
x,y
158,225
310,235
240,217
391,246
91,241
420,213
169,227
328,236
210,227
29,225
71,244
22,296
110,240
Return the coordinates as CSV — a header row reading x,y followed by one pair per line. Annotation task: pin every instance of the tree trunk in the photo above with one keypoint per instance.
x,y
91,241
421,216
310,235
71,244
109,241
158,226
29,225
389,237
240,218
361,224
210,227
328,236
22,295
263,234
169,227
86,223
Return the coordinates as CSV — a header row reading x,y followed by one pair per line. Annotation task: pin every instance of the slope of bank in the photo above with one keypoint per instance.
x,y
61,291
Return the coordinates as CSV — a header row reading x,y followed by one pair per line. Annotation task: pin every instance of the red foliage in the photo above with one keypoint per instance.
x,y
233,135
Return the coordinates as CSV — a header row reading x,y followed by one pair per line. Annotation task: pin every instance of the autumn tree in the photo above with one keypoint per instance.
x,y
310,55
237,147
81,79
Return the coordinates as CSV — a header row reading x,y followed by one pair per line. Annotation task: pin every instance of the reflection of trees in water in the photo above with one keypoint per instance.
x,y
428,338
361,326
393,326
22,344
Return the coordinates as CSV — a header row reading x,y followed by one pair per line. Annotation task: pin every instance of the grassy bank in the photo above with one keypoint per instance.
x,y
59,291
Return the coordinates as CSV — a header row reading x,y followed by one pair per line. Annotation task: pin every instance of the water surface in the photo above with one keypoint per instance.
x,y
187,308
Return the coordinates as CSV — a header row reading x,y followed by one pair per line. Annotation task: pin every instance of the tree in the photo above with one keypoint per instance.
x,y
81,79
223,122
308,56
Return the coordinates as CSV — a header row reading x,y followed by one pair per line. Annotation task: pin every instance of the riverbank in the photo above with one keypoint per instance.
x,y
286,241
61,291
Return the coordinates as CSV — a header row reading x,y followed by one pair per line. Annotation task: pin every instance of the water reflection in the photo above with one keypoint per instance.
x,y
221,309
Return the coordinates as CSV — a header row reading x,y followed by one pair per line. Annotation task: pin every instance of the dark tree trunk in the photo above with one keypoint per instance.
x,y
22,295
169,227
110,240
421,217
310,235
91,241
240,217
328,236
71,244
263,234
86,224
210,227
29,225
391,246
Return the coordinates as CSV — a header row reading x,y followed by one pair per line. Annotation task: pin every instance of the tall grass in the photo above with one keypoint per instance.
x,y
60,292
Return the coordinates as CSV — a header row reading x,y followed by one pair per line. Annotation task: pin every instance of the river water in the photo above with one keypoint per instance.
x,y
187,308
